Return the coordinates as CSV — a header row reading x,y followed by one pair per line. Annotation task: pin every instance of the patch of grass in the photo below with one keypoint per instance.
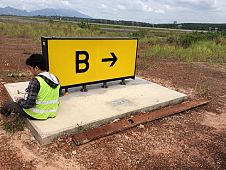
x,y
13,123
139,34
203,51
203,89
161,51
189,47
143,62
53,28
187,40
150,41
84,25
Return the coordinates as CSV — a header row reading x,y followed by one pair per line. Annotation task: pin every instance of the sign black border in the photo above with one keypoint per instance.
x,y
44,44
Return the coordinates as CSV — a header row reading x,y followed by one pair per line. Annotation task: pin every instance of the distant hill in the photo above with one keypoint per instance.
x,y
43,12
13,11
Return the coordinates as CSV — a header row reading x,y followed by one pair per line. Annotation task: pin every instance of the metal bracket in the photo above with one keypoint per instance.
x,y
84,89
104,85
66,90
61,92
123,82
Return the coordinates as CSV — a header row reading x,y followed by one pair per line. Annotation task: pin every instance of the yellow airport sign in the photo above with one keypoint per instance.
x,y
82,61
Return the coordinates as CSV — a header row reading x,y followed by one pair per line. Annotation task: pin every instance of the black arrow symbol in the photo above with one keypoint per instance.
x,y
113,59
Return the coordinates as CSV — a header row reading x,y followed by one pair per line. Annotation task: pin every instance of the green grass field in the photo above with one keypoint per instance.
x,y
153,44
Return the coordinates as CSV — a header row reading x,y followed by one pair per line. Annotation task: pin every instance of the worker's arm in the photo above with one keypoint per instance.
x,y
31,94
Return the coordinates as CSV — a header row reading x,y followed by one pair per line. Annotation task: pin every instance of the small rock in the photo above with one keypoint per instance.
x,y
32,138
116,120
141,126
91,163
74,152
10,75
26,129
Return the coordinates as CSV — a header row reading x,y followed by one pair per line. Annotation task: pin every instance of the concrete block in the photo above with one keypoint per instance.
x,y
82,110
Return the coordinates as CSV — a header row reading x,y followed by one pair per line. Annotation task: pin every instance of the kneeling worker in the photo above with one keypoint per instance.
x,y
41,99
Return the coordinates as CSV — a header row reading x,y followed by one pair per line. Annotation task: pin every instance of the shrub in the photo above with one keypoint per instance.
x,y
13,124
187,40
139,34
85,25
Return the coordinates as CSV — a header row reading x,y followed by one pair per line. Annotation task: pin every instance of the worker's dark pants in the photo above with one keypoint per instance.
x,y
9,107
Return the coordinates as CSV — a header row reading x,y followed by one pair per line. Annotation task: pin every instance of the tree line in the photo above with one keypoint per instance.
x,y
189,26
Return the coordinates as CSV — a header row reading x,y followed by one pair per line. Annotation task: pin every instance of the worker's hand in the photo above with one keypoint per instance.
x,y
16,99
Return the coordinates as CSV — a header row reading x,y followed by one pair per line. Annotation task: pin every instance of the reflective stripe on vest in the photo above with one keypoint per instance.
x,y
42,111
47,101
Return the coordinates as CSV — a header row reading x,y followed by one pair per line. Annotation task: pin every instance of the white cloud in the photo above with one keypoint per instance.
x,y
121,7
140,10
191,4
159,11
145,6
65,2
103,6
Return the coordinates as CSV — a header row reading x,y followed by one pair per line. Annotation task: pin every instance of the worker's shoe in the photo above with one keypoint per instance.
x,y
5,109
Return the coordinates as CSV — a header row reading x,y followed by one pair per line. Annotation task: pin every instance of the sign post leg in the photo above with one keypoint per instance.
x,y
104,85
84,89
61,92
123,82
66,90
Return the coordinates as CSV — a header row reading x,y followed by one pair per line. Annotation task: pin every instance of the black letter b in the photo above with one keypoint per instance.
x,y
79,61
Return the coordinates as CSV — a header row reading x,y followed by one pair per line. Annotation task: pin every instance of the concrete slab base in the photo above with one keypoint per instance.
x,y
79,111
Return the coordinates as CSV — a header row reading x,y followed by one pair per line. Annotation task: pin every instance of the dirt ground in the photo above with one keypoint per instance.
x,y
195,139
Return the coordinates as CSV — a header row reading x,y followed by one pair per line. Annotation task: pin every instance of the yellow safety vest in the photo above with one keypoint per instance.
x,y
47,101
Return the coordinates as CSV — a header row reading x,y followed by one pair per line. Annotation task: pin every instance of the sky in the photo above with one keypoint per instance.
x,y
151,11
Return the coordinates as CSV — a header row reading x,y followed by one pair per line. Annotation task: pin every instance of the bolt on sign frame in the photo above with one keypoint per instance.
x,y
84,61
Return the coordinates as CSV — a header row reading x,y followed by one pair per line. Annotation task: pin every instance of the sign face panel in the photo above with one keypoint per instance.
x,y
86,61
